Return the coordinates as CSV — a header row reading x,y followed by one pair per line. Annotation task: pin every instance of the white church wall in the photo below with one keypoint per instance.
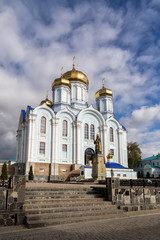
x,y
65,142
39,137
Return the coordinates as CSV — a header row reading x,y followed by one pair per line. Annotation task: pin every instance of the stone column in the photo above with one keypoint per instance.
x,y
30,139
120,146
54,165
104,134
74,142
22,145
78,142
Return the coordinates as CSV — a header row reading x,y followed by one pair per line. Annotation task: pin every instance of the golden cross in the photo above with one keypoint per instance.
x,y
47,94
103,82
61,71
74,62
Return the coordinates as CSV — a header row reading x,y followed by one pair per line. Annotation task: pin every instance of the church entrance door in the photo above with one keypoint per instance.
x,y
88,155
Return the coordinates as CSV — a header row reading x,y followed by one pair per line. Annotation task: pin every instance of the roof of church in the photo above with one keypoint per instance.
x,y
152,166
109,165
151,158
114,165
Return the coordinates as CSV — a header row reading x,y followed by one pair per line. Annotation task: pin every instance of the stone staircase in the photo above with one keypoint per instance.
x,y
53,206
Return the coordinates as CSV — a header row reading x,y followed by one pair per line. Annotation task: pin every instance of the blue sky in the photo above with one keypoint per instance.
x,y
117,40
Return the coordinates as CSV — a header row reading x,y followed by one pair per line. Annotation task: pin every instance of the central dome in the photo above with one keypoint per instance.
x,y
75,75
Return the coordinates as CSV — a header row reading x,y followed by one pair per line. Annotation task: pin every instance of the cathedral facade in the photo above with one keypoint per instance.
x,y
58,136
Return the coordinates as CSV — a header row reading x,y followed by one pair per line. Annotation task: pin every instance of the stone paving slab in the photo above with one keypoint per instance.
x,y
135,226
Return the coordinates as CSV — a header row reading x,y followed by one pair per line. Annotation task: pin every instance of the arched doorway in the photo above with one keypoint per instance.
x,y
148,175
88,155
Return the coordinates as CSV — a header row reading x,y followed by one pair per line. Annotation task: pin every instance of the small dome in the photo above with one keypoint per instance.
x,y
46,101
103,92
60,81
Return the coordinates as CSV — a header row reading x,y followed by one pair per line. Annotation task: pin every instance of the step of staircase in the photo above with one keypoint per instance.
x,y
54,206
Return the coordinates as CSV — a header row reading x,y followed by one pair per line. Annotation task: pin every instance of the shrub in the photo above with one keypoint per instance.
x,y
4,175
31,176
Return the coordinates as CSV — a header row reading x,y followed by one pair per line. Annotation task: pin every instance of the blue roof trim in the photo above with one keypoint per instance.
x,y
87,166
30,108
124,128
24,114
114,165
110,165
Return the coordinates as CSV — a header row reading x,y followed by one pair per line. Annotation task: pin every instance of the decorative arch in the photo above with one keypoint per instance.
x,y
66,111
45,108
110,120
88,155
93,112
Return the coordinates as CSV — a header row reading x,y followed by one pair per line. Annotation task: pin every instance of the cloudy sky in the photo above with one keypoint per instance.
x,y
115,39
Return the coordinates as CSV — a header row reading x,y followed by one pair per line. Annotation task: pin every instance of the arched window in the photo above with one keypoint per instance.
x,y
86,133
65,128
111,135
58,95
43,125
92,132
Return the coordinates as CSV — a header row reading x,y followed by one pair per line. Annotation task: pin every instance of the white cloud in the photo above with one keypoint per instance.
x,y
140,126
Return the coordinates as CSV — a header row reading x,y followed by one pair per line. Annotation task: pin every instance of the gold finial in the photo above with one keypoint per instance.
x,y
74,62
102,82
47,94
61,71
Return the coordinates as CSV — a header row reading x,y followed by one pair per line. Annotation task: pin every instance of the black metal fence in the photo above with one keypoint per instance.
x,y
6,183
140,183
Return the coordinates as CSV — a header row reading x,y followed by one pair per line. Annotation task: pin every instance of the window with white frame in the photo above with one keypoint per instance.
x,y
42,148
112,152
92,132
86,131
64,150
65,128
111,134
64,96
58,95
43,125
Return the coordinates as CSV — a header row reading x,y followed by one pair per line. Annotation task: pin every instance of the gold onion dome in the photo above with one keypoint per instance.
x,y
103,92
46,101
72,75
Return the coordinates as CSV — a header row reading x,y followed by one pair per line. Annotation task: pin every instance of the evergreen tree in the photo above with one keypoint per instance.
x,y
134,154
4,175
31,177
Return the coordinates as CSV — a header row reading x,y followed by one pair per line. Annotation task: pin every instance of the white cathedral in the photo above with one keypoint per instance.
x,y
58,136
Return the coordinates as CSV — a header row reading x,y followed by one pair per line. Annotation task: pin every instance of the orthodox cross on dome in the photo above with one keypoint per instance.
x,y
47,94
74,62
102,82
61,71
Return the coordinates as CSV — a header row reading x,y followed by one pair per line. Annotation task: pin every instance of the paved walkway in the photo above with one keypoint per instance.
x,y
144,225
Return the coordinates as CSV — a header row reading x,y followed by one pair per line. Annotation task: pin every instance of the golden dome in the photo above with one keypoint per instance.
x,y
46,101
72,75
103,92
60,81
75,75
109,156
